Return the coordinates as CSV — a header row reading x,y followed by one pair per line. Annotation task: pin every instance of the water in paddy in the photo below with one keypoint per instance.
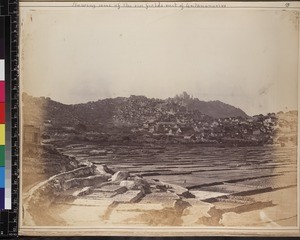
x,y
196,166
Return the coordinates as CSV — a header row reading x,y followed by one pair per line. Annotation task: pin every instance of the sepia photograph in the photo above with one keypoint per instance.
x,y
158,119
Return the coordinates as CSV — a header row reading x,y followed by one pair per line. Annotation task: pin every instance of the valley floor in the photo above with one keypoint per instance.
x,y
231,187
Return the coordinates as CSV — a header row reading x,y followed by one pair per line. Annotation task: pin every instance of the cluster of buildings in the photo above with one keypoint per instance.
x,y
188,127
260,129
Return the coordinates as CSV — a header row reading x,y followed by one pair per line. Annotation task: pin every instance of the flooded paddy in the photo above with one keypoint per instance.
x,y
196,166
236,186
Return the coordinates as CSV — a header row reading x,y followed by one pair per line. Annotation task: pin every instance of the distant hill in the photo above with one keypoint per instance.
x,y
122,111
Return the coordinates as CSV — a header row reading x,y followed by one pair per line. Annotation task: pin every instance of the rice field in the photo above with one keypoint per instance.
x,y
200,167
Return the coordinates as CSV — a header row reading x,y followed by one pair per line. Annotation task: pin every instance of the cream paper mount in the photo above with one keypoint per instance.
x,y
159,118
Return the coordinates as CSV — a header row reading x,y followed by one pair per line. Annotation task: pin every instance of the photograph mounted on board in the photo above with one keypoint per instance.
x,y
158,120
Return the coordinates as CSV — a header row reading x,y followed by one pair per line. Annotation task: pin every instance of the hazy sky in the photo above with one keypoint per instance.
x,y
244,58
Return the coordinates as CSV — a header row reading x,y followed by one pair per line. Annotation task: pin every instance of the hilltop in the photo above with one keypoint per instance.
x,y
122,111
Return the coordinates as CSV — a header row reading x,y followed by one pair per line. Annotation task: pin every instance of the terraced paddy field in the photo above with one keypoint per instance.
x,y
197,167
234,186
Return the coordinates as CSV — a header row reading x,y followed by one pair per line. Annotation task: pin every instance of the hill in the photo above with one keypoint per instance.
x,y
121,111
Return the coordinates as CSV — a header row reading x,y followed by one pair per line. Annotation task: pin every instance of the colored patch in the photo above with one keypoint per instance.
x,y
2,134
2,113
2,198
2,177
2,156
2,91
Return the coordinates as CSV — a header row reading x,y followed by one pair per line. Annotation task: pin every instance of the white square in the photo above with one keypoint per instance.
x,y
2,69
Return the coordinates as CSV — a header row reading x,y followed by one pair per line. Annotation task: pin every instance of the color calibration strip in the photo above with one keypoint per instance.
x,y
9,113
2,116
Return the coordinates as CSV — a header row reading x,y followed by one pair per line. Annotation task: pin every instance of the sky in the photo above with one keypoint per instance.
x,y
246,58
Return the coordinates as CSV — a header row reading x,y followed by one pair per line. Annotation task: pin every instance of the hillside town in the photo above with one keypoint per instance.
x,y
181,119
276,129
272,128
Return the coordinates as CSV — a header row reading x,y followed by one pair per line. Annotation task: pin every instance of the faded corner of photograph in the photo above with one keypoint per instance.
x,y
137,126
